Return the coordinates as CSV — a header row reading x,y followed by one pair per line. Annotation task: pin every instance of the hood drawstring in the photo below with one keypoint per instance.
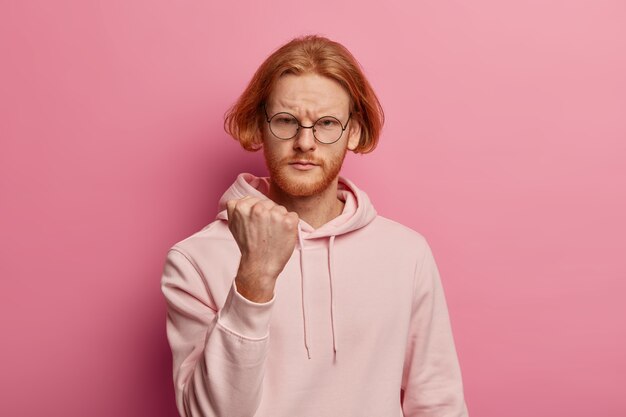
x,y
306,335
331,268
332,298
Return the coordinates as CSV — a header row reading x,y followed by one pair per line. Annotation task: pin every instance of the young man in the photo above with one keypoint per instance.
x,y
299,300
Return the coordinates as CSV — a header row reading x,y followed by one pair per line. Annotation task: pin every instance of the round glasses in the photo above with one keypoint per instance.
x,y
326,129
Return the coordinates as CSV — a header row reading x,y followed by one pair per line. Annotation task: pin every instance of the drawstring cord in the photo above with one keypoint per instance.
x,y
306,335
331,268
332,298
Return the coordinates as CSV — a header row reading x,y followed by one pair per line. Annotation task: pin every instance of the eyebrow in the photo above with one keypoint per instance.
x,y
318,114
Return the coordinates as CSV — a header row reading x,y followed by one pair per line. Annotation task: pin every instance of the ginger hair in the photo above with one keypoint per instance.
x,y
306,54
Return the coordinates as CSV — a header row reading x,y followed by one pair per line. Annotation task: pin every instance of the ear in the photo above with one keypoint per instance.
x,y
258,141
354,136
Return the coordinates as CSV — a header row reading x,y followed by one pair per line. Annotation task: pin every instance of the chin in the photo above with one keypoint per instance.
x,y
301,185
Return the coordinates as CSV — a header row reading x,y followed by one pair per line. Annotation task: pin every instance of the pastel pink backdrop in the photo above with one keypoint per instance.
x,y
504,145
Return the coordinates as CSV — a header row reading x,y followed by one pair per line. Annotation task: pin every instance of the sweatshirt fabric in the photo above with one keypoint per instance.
x,y
358,324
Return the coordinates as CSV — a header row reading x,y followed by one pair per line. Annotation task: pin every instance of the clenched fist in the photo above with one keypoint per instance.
x,y
266,234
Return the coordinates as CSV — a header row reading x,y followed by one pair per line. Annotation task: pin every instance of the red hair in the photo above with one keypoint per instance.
x,y
306,54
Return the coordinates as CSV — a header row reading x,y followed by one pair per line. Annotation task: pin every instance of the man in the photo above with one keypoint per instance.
x,y
299,300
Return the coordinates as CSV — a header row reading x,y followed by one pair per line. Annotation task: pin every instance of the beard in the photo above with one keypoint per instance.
x,y
303,183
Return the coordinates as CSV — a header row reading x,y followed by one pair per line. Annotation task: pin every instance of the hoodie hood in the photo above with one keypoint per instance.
x,y
358,212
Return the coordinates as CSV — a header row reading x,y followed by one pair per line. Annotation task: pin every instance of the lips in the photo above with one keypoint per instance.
x,y
302,162
302,165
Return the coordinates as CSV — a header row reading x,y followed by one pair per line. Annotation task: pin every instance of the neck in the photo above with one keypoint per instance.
x,y
316,210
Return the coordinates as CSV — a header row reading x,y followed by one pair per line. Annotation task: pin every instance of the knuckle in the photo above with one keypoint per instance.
x,y
269,204
258,209
248,200
279,210
237,201
290,221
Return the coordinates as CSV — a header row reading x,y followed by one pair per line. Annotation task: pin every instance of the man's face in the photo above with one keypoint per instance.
x,y
308,97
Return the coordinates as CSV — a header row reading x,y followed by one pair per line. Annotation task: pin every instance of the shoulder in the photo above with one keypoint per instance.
x,y
204,264
214,238
401,234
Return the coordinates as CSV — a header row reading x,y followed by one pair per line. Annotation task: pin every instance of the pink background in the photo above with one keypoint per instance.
x,y
504,145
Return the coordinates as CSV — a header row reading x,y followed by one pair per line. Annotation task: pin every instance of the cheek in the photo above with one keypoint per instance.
x,y
274,150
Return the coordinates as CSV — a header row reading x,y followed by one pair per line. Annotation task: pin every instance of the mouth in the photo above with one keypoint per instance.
x,y
302,162
302,165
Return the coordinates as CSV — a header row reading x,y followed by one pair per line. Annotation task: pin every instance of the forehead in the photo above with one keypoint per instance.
x,y
308,93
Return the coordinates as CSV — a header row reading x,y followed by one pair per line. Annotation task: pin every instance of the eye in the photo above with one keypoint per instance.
x,y
328,123
284,120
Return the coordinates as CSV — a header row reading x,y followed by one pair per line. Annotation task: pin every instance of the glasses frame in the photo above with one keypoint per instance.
x,y
268,119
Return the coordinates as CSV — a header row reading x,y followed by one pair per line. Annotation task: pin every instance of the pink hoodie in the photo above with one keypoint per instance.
x,y
358,325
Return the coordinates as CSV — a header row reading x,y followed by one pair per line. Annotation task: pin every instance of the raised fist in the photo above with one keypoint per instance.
x,y
266,234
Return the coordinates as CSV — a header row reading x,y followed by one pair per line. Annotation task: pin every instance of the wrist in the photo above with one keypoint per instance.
x,y
255,289
256,272
244,317
253,284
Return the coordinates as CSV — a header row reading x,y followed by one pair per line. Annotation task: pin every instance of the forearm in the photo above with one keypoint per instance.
x,y
218,353
227,378
254,285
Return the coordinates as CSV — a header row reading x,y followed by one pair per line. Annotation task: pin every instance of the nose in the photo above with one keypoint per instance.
x,y
304,140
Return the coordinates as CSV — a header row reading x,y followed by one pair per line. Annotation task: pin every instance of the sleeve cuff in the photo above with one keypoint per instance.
x,y
244,317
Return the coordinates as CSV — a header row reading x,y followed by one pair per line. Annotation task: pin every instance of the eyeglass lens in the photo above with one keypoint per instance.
x,y
285,126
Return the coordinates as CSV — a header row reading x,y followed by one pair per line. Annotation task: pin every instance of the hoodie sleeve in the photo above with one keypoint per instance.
x,y
431,382
218,354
